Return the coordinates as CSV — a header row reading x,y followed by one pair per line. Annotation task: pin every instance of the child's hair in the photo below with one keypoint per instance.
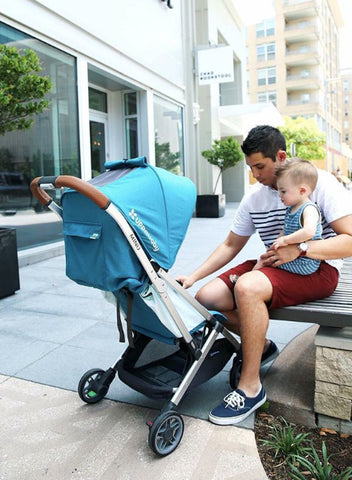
x,y
300,171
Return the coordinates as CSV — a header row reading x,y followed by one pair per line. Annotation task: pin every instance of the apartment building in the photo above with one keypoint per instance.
x,y
293,63
346,99
346,80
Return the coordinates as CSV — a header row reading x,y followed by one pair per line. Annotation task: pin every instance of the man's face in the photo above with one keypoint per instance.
x,y
263,168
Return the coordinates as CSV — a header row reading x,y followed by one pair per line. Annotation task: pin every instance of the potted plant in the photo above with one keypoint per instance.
x,y
224,153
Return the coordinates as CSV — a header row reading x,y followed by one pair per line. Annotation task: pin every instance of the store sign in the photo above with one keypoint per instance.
x,y
215,65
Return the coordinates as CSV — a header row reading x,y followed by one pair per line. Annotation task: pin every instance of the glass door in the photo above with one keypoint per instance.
x,y
97,147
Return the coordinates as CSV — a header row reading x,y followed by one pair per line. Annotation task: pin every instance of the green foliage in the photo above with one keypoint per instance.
x,y
164,158
306,135
319,469
285,442
302,459
6,159
224,153
21,89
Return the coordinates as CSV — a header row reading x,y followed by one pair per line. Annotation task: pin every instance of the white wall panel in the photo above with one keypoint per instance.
x,y
141,39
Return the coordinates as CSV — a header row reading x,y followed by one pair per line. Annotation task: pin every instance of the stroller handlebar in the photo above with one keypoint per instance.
x,y
39,183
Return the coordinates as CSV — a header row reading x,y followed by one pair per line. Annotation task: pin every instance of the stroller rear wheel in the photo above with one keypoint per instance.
x,y
166,433
90,387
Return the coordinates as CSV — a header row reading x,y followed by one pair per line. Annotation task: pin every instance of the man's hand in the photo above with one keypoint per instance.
x,y
259,264
274,258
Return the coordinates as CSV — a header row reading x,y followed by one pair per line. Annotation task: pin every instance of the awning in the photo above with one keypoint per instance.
x,y
239,119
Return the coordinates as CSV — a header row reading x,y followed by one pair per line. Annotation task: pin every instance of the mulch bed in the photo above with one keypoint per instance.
x,y
338,445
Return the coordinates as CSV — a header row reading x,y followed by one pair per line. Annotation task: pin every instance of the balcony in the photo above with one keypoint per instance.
x,y
302,82
302,57
300,9
300,107
301,32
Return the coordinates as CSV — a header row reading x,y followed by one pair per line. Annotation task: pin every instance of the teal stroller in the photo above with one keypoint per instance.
x,y
122,231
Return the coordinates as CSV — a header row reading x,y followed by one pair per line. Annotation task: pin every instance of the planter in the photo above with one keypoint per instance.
x,y
210,206
9,276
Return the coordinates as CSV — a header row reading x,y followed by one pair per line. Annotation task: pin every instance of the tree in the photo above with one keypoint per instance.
x,y
164,158
224,153
309,140
22,90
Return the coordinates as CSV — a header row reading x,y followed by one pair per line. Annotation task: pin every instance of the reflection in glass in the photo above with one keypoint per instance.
x,y
50,147
131,137
168,124
98,100
97,147
131,103
131,124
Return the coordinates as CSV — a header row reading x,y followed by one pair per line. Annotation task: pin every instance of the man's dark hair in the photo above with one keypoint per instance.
x,y
265,139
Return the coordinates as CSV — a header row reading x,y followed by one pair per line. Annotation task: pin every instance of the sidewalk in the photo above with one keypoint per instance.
x,y
52,331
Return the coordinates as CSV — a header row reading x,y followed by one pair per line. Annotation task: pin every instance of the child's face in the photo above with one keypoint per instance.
x,y
290,193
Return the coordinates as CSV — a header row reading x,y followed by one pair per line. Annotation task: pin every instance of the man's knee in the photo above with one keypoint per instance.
x,y
253,285
215,295
206,297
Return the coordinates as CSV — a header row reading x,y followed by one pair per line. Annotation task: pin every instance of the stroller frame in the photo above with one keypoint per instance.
x,y
166,430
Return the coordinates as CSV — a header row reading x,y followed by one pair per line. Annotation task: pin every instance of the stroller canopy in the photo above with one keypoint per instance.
x,y
156,203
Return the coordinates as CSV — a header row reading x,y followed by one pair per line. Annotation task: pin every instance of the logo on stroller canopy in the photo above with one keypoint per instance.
x,y
134,216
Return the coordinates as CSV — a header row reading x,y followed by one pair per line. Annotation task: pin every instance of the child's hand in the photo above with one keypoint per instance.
x,y
280,242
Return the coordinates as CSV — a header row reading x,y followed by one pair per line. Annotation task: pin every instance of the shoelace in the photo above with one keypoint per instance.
x,y
234,400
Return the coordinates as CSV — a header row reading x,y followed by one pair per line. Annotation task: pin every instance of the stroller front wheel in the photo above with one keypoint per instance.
x,y
166,433
90,388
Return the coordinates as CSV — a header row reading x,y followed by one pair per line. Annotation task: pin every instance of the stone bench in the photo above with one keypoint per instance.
x,y
333,350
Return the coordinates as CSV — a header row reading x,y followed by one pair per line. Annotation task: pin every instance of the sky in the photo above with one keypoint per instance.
x,y
253,11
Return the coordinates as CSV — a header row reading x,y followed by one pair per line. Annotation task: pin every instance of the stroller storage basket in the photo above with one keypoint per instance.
x,y
160,378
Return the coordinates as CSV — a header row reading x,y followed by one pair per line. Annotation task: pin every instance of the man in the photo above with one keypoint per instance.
x,y
244,295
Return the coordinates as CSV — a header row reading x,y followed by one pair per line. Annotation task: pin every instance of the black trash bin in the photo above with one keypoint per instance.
x,y
9,276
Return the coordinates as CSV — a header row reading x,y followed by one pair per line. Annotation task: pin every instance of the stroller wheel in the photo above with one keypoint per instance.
x,y
165,434
235,372
90,388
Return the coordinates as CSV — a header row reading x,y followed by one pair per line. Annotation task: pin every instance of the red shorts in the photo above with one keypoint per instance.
x,y
291,288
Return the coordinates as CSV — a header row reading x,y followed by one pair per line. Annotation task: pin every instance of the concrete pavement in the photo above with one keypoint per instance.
x,y
53,330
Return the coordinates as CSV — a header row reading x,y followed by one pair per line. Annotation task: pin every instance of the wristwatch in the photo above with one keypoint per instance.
x,y
303,249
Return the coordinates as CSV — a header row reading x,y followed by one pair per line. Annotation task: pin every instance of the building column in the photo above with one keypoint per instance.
x,y
83,116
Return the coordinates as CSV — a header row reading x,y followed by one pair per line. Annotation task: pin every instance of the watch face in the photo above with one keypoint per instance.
x,y
303,246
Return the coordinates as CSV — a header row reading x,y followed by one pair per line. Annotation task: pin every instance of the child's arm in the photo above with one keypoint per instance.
x,y
310,218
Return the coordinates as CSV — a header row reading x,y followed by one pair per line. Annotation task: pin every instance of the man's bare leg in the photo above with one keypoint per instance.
x,y
215,295
252,291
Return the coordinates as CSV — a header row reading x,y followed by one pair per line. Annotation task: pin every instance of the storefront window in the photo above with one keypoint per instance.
x,y
98,100
168,125
50,147
131,124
